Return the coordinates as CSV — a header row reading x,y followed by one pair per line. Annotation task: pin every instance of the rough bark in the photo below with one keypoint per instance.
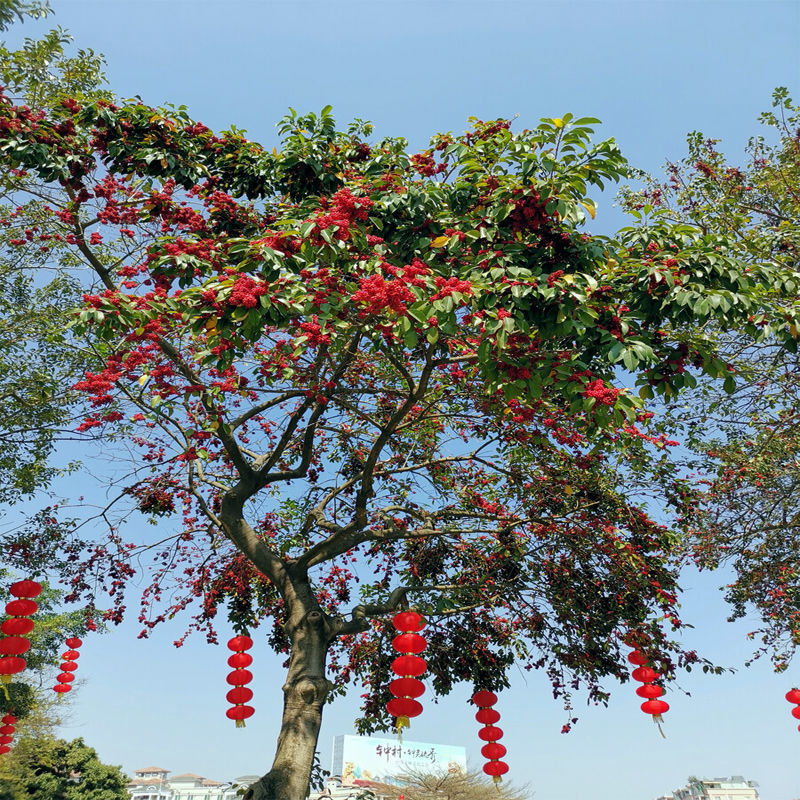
x,y
304,694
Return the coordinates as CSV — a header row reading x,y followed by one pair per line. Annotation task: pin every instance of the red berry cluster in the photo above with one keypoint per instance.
x,y
409,666
793,696
649,691
68,666
490,734
238,678
7,733
17,627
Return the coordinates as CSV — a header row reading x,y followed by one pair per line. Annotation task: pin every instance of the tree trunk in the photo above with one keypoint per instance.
x,y
304,694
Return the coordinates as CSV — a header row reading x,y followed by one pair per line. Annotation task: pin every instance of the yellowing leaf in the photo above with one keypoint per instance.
x,y
439,241
590,208
558,122
568,490
143,380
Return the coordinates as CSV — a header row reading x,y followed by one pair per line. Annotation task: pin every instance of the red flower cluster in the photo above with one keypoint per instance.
x,y
447,286
378,294
246,292
605,395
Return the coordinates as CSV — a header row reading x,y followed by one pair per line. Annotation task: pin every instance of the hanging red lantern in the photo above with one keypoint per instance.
x,y
68,666
646,675
238,677
409,666
493,750
17,626
649,691
25,588
11,665
7,730
487,716
21,608
491,734
14,646
15,629
793,696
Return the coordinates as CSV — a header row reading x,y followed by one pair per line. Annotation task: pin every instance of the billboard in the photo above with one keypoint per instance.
x,y
370,758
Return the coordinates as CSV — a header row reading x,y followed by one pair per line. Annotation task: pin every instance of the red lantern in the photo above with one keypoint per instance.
x,y
793,696
796,712
6,739
404,707
237,678
21,608
14,646
17,626
240,712
491,734
409,666
26,588
487,716
4,748
484,699
495,768
240,660
645,675
655,707
409,643
68,666
407,687
239,695
9,719
11,665
6,729
408,621
493,750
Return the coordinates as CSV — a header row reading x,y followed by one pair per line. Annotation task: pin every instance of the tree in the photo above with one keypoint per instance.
x,y
452,786
363,379
46,768
745,441
38,360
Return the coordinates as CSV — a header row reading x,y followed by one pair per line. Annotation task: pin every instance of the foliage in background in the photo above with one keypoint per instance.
x,y
47,768
747,442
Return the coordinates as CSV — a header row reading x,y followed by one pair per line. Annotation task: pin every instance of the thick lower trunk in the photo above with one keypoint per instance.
x,y
304,694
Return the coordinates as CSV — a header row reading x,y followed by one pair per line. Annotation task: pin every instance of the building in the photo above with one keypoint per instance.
x,y
154,783
733,788
362,760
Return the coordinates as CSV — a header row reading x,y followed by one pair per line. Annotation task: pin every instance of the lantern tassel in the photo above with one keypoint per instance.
x,y
400,723
497,779
5,679
658,719
240,723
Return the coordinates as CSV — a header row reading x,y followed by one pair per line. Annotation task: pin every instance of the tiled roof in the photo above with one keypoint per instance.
x,y
152,769
212,783
187,775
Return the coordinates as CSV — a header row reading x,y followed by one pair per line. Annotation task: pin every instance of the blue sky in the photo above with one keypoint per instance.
x,y
652,71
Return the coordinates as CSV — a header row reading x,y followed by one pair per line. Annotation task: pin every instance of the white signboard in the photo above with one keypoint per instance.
x,y
368,758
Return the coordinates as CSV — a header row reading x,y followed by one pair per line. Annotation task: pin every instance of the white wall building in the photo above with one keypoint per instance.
x,y
733,788
154,783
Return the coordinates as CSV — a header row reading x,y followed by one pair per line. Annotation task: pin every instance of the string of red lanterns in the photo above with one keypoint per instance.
x,y
238,678
7,733
409,666
16,628
793,696
490,734
68,666
649,691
